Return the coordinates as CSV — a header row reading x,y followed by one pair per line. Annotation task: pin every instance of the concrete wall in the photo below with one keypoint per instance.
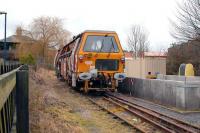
x,y
180,94
141,66
178,78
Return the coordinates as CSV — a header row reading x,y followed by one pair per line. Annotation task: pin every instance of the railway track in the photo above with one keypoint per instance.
x,y
141,118
112,110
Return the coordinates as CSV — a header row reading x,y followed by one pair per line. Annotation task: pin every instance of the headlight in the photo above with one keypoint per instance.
x,y
85,76
120,76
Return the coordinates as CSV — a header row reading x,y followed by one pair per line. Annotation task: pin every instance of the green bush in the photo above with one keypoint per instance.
x,y
29,59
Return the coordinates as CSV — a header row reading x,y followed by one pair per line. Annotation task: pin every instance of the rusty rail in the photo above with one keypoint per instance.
x,y
161,119
121,118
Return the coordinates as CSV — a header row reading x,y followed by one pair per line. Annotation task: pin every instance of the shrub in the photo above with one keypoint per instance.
x,y
29,59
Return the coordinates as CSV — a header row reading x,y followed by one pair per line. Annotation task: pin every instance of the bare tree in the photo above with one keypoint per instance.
x,y
188,25
187,31
138,40
49,32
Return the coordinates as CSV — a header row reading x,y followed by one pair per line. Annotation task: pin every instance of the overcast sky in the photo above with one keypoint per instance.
x,y
80,15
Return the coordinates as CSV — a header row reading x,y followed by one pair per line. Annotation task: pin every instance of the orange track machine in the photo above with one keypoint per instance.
x,y
93,60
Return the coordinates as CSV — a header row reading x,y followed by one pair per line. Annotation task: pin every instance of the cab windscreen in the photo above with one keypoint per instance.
x,y
104,44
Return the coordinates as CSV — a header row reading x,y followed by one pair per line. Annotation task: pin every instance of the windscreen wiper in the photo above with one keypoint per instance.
x,y
111,47
101,45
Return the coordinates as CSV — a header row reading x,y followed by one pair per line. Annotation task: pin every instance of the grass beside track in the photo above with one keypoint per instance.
x,y
55,108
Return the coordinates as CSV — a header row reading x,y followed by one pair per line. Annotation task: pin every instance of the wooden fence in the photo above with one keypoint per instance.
x,y
14,98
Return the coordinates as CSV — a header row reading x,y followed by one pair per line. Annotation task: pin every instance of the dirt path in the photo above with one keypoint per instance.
x,y
54,108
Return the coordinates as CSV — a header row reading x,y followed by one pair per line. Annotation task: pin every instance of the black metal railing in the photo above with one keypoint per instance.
x,y
7,113
14,99
8,66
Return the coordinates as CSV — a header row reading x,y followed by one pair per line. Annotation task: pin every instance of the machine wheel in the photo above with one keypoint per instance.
x,y
120,86
78,86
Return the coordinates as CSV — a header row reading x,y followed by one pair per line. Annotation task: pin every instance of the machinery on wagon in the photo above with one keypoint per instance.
x,y
93,60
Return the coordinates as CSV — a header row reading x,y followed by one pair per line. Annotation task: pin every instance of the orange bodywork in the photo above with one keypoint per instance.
x,y
73,60
89,59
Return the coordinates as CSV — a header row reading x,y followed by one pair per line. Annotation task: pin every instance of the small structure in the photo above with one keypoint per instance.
x,y
186,70
154,62
11,45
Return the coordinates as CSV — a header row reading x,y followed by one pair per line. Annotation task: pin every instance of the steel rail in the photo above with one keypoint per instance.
x,y
161,117
127,122
155,124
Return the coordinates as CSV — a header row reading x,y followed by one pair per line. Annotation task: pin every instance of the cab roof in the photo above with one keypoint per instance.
x,y
98,31
87,31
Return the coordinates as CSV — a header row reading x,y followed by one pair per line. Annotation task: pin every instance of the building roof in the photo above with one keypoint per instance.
x,y
13,39
155,54
146,54
128,54
10,39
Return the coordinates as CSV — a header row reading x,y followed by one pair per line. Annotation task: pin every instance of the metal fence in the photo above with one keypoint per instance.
x,y
8,66
14,98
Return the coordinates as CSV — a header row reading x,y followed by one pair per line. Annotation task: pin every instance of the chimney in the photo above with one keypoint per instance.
x,y
19,31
